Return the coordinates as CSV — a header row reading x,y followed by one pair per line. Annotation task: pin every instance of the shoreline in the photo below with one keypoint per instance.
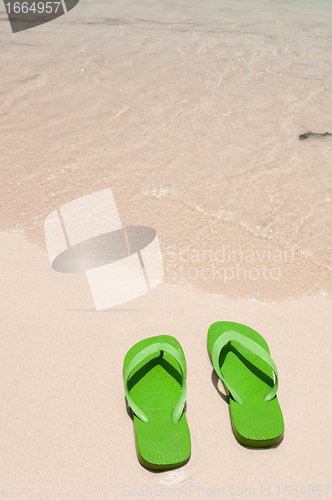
x,y
217,257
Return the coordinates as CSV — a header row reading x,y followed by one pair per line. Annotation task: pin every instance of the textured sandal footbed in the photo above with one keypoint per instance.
x,y
256,422
155,385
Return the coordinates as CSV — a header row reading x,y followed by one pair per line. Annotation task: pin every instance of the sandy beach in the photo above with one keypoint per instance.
x,y
191,114
66,432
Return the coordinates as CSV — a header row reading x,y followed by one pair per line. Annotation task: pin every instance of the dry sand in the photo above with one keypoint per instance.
x,y
65,432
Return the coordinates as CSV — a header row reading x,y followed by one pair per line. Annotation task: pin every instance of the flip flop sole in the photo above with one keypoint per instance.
x,y
256,423
155,386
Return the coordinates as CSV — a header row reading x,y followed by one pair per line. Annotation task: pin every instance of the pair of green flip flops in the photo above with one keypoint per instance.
x,y
155,387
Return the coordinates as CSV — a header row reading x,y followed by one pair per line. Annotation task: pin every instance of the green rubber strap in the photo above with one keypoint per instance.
x,y
248,344
151,349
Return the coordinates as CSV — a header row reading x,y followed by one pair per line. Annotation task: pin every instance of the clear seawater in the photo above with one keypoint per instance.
x,y
202,102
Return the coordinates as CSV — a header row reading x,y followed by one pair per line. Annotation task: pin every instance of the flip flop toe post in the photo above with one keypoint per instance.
x,y
241,359
155,387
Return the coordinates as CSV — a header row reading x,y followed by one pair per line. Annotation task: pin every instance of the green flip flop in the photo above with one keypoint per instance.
x,y
155,386
241,359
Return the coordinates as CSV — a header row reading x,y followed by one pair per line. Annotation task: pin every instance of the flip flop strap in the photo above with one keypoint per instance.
x,y
158,347
251,346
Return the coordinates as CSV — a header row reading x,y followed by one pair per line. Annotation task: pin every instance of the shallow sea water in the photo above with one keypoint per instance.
x,y
190,112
